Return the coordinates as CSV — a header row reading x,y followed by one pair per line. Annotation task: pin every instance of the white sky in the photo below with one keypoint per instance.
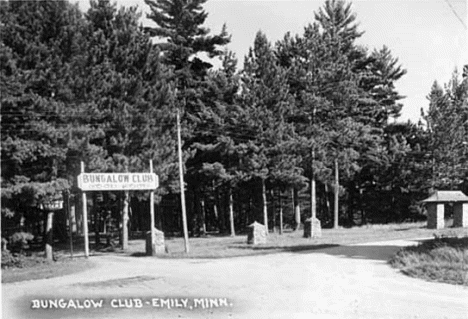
x,y
425,35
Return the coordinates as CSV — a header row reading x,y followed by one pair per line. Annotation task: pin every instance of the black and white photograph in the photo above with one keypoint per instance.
x,y
234,159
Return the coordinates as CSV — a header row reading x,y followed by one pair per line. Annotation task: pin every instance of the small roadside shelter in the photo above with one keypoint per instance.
x,y
435,205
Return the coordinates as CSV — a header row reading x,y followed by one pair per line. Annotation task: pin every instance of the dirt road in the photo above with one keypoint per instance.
x,y
342,282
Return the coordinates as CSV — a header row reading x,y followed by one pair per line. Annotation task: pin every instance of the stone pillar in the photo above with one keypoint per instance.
x,y
435,215
158,246
460,215
257,234
312,228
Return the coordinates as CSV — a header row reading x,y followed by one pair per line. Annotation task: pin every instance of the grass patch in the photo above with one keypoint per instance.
x,y
37,267
443,259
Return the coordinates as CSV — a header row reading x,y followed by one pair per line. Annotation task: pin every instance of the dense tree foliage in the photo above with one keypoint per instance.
x,y
37,46
447,121
99,87
87,88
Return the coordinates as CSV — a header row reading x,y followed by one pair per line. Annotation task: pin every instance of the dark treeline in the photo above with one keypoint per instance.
x,y
99,87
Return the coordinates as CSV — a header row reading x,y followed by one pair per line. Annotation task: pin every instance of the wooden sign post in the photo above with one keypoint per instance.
x,y
153,248
117,182
85,217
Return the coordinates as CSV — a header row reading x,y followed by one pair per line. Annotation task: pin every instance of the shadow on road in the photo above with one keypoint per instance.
x,y
382,253
373,251
276,249
359,252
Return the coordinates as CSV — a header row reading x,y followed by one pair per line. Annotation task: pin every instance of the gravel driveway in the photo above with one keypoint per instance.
x,y
341,282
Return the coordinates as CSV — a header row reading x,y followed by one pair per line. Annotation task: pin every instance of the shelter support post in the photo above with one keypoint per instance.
x,y
460,215
435,215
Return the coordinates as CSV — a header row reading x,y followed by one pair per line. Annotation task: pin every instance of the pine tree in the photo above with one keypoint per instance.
x,y
266,101
214,163
129,93
447,123
338,85
83,88
407,177
183,40
38,41
187,46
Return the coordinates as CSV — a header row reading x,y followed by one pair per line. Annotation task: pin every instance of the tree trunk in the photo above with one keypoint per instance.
x,y
203,216
191,214
73,223
221,212
273,210
337,194
363,213
49,235
67,207
215,195
125,221
158,211
231,213
265,209
352,206
97,238
249,211
327,200
280,213
216,214
313,193
297,209
108,228
215,210
79,216
313,199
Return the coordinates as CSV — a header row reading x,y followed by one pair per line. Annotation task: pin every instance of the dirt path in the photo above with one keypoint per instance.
x,y
342,282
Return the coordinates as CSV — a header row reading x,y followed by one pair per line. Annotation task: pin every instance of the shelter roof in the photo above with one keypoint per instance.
x,y
446,197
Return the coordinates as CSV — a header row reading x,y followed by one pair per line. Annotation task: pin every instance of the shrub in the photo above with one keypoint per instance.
x,y
10,260
19,242
4,244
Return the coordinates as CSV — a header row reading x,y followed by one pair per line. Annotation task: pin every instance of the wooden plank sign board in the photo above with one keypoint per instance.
x,y
117,181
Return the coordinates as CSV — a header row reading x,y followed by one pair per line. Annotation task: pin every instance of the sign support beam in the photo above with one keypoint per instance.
x,y
85,218
153,235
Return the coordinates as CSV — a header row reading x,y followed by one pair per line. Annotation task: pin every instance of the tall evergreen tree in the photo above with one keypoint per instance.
x,y
130,95
38,41
447,121
85,89
183,40
267,102
187,46
339,86
214,165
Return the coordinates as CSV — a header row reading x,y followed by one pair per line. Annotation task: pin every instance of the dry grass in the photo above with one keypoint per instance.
x,y
443,259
